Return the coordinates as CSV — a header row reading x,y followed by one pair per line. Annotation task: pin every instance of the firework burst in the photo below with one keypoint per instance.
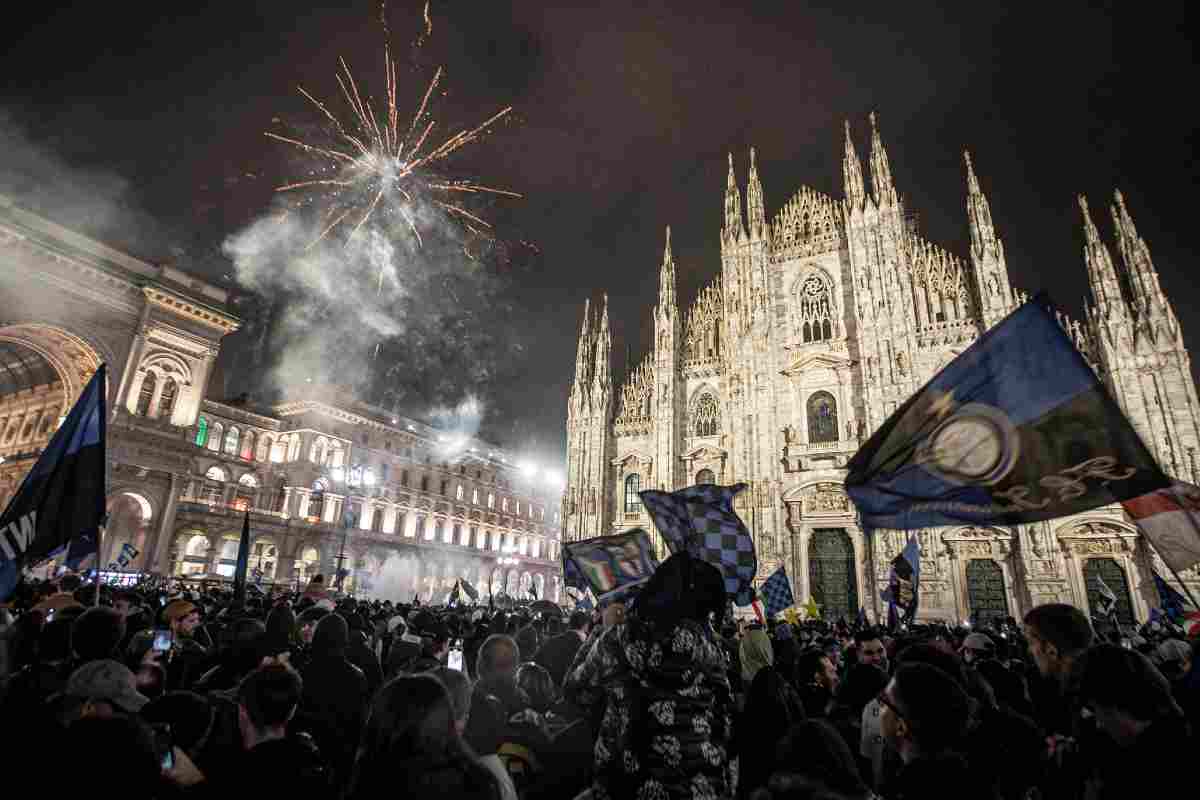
x,y
374,165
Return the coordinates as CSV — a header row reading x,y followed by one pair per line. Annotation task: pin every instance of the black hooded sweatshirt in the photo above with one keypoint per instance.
x,y
335,695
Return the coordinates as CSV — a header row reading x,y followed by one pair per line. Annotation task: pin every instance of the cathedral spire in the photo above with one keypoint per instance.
x,y
734,228
602,372
1102,276
755,211
666,280
583,360
979,212
852,176
882,188
1143,278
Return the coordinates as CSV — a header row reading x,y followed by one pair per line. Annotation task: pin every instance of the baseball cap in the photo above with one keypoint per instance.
x,y
980,642
107,680
1171,650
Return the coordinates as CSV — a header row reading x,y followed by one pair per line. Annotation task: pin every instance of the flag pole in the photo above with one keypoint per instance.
x,y
99,552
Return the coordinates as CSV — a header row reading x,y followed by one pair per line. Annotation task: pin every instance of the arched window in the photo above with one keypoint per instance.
x,y
293,451
704,477
491,500
317,453
633,503
404,478
337,455
215,474
458,493
244,496
233,437
249,480
215,435
816,309
424,483
247,452
202,432
146,394
475,497
706,420
822,418
263,452
166,403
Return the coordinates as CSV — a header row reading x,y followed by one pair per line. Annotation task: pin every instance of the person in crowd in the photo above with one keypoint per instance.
x,y
189,659
528,642
1130,702
1057,634
458,687
360,654
97,634
1175,660
535,681
101,688
755,652
814,761
816,680
280,637
660,677
435,646
334,696
869,648
977,647
859,690
65,597
925,716
272,762
411,747
316,590
772,706
242,649
496,697
558,653
121,749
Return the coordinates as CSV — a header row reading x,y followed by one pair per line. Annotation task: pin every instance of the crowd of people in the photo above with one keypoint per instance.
x,y
160,691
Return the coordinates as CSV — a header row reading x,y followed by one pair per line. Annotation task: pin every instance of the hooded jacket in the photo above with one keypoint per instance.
x,y
333,705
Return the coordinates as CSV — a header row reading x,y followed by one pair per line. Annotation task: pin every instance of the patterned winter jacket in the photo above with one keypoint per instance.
x,y
667,723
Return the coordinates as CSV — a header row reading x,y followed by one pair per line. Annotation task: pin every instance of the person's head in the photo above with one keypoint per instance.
x,y
307,622
527,642
104,688
97,633
536,681
925,711
97,743
243,641
458,688
124,603
69,583
935,655
1173,658
151,679
977,647
498,659
411,724
435,639
863,684
1057,634
683,588
281,627
182,617
1123,691
331,637
814,750
814,668
267,699
580,621
869,648
317,581
755,652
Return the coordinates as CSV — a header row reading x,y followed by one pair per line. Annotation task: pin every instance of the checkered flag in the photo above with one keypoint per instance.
x,y
776,593
701,520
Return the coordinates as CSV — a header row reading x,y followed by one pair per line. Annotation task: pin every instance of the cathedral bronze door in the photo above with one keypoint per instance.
x,y
986,596
831,573
1108,570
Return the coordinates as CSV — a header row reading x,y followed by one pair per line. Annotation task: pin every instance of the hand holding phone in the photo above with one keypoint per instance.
x,y
163,639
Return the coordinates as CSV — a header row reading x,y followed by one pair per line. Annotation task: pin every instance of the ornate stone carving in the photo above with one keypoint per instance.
x,y
826,498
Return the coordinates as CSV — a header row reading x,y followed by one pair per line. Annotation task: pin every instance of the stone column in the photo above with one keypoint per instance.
x,y
166,522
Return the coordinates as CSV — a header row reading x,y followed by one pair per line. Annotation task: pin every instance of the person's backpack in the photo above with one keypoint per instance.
x,y
521,745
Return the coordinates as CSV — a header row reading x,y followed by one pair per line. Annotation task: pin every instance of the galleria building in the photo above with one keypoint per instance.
x,y
822,321
329,482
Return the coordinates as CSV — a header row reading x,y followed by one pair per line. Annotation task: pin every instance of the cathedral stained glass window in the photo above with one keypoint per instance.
x,y
633,502
706,421
822,418
816,310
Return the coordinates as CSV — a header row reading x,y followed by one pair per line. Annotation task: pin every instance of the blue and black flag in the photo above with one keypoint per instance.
x,y
61,501
1016,429
243,564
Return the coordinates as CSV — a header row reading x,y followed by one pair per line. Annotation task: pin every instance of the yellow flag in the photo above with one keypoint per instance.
x,y
811,610
791,615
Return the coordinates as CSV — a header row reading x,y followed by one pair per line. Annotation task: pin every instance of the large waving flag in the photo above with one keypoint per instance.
x,y
1170,519
468,589
904,584
61,500
701,520
1173,604
612,566
776,593
1015,429
243,564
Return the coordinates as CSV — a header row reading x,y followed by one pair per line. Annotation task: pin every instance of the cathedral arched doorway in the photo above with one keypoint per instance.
x,y
1108,571
986,595
832,574
129,516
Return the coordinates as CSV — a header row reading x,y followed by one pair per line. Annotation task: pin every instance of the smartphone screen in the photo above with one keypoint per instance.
x,y
163,747
162,640
455,661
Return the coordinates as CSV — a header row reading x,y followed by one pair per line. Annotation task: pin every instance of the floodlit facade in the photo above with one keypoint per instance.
x,y
822,321
330,482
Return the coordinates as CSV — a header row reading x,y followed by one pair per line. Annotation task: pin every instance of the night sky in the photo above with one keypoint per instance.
x,y
143,124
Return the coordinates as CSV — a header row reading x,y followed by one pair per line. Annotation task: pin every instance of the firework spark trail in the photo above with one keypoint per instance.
x,y
376,167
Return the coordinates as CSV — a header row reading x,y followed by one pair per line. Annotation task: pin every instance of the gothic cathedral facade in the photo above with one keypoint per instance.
x,y
820,324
